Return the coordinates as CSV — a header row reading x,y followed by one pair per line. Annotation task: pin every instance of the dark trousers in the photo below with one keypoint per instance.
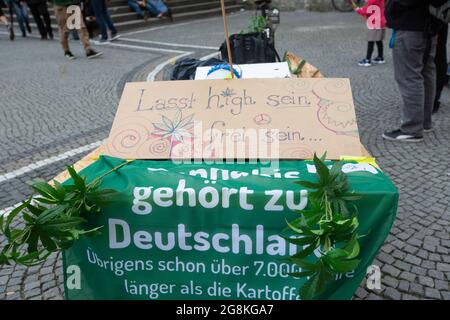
x,y
441,63
103,18
40,12
416,79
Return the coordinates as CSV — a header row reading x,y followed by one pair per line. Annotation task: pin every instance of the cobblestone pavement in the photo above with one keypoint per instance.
x,y
49,106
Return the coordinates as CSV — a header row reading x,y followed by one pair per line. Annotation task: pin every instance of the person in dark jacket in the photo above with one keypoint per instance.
x,y
414,48
41,16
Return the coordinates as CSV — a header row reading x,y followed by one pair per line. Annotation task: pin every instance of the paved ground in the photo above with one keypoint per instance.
x,y
50,107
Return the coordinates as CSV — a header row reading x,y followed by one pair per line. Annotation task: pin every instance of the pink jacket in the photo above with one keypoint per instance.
x,y
367,12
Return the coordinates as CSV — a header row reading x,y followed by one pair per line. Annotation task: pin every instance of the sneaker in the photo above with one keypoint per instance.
x,y
428,130
114,36
101,42
68,55
364,63
379,60
93,54
398,135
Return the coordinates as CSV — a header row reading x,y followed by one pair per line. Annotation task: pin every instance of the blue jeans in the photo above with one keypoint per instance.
x,y
103,18
136,8
21,12
157,6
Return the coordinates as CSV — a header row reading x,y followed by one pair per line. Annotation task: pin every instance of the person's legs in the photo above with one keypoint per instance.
x,y
152,9
43,10
135,7
84,36
158,5
18,11
35,12
97,8
61,19
24,10
380,49
441,64
370,45
429,75
408,54
107,18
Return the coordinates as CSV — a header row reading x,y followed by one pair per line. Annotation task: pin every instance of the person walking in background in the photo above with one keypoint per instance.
x,y
4,20
414,48
89,18
373,11
442,76
21,11
61,18
41,16
104,21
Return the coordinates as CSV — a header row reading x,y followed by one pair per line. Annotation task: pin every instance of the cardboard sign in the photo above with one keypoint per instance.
x,y
247,118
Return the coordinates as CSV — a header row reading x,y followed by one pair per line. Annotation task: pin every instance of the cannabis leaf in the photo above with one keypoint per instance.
x,y
329,225
53,219
175,129
228,93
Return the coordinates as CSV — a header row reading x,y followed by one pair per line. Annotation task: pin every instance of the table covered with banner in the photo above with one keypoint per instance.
x,y
212,231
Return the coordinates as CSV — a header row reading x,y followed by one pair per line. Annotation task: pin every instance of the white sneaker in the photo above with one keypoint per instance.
x,y
101,42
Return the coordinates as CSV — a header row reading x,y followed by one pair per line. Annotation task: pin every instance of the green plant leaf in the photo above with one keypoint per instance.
x,y
51,213
45,190
77,179
305,265
300,241
322,170
308,184
341,265
315,285
12,215
307,251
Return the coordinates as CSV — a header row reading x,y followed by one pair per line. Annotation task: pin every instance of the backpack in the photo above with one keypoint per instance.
x,y
250,48
440,10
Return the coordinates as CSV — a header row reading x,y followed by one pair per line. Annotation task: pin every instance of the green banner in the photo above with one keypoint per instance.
x,y
212,231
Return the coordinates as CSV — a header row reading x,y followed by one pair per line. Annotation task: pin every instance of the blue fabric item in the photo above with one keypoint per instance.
x,y
224,67
392,40
136,8
157,5
21,11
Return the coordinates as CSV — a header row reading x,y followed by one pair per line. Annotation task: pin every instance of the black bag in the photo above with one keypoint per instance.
x,y
185,69
250,48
